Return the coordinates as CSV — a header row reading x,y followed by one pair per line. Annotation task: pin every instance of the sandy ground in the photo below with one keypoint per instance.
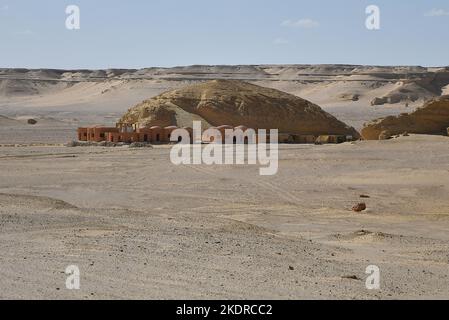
x,y
139,227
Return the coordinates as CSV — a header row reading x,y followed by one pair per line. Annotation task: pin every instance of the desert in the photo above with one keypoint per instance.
x,y
140,227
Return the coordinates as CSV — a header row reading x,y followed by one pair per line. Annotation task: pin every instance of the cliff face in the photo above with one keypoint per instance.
x,y
432,118
235,103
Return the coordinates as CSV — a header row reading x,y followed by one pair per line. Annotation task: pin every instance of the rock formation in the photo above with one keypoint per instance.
x,y
432,118
233,102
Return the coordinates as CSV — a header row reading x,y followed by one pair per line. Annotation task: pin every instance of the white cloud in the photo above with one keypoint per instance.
x,y
280,41
301,23
437,13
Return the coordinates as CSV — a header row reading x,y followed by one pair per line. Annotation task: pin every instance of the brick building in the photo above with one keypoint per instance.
x,y
127,133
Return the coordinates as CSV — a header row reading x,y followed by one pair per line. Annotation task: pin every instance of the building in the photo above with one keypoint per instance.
x,y
129,133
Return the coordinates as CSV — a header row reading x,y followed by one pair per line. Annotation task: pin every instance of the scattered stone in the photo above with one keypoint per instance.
x,y
140,145
32,121
363,233
291,268
379,101
355,97
365,196
351,277
74,143
359,207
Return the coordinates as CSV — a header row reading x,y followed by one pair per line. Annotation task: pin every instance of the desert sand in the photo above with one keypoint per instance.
x,y
140,227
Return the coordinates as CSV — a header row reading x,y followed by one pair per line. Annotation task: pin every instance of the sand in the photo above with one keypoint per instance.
x,y
140,227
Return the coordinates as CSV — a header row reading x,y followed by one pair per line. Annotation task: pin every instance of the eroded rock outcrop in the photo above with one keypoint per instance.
x,y
432,118
235,103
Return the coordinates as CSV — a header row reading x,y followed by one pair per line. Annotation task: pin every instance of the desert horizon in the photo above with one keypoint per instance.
x,y
352,94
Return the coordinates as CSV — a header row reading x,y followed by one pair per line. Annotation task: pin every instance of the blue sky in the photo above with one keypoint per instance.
x,y
145,33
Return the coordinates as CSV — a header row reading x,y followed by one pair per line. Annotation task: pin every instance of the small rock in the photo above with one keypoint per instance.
x,y
365,196
291,268
359,207
351,277
32,121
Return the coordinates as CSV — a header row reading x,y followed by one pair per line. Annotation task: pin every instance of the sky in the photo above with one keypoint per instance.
x,y
165,33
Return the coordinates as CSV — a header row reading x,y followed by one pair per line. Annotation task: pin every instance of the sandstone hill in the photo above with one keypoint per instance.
x,y
432,118
353,94
233,102
410,90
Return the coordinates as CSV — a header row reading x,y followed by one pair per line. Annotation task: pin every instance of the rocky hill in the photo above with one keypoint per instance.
x,y
432,118
233,102
352,93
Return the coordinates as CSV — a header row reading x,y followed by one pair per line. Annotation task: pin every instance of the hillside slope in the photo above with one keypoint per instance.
x,y
432,118
232,102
